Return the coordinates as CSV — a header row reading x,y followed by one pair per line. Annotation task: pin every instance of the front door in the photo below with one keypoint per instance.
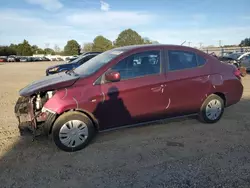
x,y
138,96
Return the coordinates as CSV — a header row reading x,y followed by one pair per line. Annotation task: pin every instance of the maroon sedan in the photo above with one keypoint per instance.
x,y
128,86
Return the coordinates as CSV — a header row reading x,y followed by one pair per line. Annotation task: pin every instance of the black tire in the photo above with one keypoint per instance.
x,y
202,114
64,118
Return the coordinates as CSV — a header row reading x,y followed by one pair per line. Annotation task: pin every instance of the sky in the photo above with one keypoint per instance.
x,y
47,23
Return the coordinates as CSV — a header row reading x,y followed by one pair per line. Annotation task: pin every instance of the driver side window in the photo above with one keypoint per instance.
x,y
139,65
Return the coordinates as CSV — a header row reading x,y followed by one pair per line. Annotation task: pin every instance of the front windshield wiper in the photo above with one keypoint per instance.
x,y
71,72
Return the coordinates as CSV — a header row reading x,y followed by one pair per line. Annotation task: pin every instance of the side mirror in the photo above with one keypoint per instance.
x,y
112,76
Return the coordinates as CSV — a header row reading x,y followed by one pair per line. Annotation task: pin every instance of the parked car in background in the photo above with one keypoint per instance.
x,y
68,66
26,59
245,60
128,86
11,58
70,59
233,55
59,59
3,59
45,59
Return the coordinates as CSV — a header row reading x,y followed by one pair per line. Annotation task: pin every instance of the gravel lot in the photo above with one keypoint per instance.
x,y
180,153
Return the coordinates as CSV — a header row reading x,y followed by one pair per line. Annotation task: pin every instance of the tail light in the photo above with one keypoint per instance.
x,y
237,73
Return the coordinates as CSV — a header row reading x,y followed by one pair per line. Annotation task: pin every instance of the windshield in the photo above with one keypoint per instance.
x,y
97,62
77,59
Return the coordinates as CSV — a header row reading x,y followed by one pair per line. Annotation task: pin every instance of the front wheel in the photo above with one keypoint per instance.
x,y
212,109
72,131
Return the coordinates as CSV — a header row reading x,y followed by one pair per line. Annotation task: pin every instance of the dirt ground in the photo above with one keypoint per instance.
x,y
180,153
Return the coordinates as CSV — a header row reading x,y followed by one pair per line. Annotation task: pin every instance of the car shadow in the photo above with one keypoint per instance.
x,y
144,156
115,110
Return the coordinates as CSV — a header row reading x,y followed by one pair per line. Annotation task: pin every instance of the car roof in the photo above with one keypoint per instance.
x,y
135,47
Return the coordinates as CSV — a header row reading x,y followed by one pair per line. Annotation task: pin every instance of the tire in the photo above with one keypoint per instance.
x,y
213,105
72,131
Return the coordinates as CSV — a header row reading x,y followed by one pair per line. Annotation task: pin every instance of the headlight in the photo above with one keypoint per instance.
x,y
54,69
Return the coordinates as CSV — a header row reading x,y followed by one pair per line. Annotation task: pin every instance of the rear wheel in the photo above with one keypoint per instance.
x,y
72,131
212,109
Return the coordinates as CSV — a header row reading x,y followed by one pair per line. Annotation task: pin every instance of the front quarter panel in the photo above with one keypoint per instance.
x,y
77,97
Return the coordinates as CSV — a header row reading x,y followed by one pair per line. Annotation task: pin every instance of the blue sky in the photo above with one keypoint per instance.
x,y
54,22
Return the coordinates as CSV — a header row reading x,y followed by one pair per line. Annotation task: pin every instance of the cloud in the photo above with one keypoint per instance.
x,y
60,27
111,19
50,5
104,6
84,26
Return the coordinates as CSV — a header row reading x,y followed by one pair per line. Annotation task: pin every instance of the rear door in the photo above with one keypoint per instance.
x,y
187,81
138,96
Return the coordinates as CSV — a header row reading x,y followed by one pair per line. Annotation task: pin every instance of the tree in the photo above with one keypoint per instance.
x,y
72,48
87,47
245,42
34,49
6,51
101,44
49,51
24,49
14,48
40,51
129,37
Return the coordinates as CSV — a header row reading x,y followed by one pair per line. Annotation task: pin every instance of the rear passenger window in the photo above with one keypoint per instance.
x,y
201,60
179,60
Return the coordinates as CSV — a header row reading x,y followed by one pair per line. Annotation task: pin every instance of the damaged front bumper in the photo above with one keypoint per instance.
x,y
36,122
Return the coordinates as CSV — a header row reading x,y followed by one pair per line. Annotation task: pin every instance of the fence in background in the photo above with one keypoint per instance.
x,y
220,51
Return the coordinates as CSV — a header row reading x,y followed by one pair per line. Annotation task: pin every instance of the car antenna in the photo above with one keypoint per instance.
x,y
183,43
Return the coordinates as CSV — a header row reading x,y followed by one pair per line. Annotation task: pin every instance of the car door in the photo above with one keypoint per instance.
x,y
138,96
187,81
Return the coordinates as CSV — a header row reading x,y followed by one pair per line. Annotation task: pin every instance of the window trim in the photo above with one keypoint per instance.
x,y
101,79
168,61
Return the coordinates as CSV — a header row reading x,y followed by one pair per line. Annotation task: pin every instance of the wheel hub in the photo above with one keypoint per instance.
x,y
213,109
73,133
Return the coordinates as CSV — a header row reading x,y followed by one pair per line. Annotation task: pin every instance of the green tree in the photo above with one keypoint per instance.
x,y
40,51
72,48
34,49
128,37
24,49
245,42
49,51
6,51
87,47
101,44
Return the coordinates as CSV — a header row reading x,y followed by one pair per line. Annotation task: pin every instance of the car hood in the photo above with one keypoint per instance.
x,y
52,82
